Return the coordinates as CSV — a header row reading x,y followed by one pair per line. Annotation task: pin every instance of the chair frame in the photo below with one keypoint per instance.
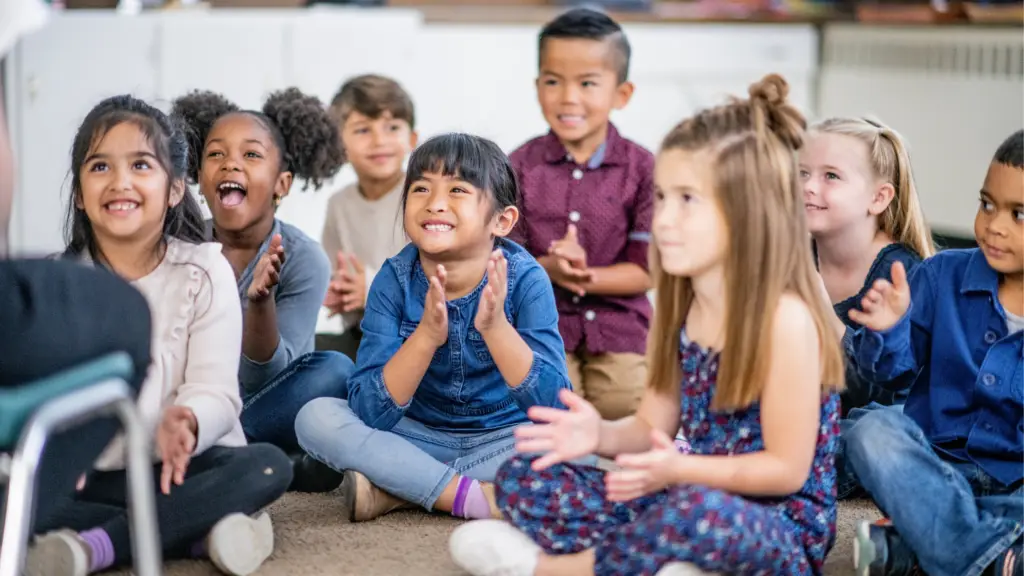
x,y
108,396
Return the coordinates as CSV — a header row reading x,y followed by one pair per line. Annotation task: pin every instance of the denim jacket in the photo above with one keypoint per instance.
x,y
462,389
964,369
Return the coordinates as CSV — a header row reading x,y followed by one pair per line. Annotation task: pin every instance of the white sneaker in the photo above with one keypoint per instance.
x,y
239,544
493,548
682,569
60,553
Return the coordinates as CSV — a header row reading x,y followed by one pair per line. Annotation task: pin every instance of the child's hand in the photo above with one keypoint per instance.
x,y
885,303
434,324
646,473
268,271
347,291
490,311
572,279
176,439
568,248
564,435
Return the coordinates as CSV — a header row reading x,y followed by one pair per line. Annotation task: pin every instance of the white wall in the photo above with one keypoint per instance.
x,y
475,78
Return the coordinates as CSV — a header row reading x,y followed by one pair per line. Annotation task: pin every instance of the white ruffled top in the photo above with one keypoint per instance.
x,y
197,341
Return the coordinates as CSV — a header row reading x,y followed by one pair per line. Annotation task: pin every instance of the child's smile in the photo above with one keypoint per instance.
x,y
241,172
231,193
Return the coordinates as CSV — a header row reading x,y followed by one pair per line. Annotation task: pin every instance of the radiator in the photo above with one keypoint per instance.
x,y
954,93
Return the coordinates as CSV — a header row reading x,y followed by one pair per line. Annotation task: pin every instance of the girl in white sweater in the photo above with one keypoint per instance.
x,y
131,213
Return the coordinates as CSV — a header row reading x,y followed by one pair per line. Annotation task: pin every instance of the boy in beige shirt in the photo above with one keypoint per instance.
x,y
363,226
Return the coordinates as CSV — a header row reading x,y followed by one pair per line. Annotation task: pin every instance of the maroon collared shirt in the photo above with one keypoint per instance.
x,y
609,199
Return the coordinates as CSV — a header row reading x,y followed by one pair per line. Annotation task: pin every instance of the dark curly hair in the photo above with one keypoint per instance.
x,y
302,130
170,145
1011,151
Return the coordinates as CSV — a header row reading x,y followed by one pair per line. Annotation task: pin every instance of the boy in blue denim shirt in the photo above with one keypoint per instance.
x,y
948,471
460,340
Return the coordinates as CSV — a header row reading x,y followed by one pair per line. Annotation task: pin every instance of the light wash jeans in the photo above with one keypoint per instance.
x,y
955,518
846,480
268,415
410,461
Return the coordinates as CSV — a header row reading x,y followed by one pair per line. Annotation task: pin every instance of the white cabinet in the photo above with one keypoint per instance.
x,y
476,78
239,54
61,72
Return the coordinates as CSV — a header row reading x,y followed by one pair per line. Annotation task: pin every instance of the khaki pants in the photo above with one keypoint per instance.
x,y
613,382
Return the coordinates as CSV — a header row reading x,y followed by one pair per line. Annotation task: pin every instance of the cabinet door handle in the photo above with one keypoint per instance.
x,y
33,88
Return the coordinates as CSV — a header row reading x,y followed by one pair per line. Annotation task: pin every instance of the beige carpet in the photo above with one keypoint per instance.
x,y
313,537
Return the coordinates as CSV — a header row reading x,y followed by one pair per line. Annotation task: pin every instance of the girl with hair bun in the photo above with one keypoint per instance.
x,y
743,359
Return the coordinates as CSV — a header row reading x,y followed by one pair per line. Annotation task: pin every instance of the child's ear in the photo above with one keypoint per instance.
x,y
881,198
414,139
282,187
178,191
505,221
623,93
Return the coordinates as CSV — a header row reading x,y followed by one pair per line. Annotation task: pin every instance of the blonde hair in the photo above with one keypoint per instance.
x,y
752,145
903,220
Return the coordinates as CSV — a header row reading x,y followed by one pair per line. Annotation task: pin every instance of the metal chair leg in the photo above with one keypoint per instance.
x,y
62,413
146,549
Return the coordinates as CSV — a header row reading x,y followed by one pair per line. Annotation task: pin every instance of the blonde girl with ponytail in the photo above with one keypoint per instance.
x,y
864,214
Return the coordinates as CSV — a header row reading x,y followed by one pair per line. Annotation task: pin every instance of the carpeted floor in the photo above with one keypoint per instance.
x,y
313,537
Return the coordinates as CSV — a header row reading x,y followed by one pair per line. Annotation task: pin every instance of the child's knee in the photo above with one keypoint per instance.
x,y
512,472
332,370
320,421
268,471
873,434
517,476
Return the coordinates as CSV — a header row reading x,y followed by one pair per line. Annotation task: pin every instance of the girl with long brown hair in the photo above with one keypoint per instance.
x,y
742,359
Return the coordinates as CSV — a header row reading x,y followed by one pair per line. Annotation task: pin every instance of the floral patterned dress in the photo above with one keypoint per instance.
x,y
564,509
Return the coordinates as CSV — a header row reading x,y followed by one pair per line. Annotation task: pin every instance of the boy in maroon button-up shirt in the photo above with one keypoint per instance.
x,y
586,208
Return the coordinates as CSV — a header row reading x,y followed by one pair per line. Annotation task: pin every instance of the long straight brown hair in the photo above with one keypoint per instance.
x,y
752,145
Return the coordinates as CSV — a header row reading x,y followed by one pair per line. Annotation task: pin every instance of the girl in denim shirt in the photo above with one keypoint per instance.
x,y
460,339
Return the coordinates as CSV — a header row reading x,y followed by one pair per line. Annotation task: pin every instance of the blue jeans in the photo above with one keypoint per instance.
x,y
846,480
269,414
411,461
955,518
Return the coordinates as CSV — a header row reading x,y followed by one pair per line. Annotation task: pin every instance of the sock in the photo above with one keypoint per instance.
x,y
101,549
470,500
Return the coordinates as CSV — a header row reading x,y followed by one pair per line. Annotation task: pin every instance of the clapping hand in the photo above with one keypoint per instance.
x,y
491,310
570,263
560,435
268,271
434,324
645,473
347,290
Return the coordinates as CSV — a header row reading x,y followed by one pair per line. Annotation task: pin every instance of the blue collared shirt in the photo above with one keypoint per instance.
x,y
462,389
968,396
298,296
